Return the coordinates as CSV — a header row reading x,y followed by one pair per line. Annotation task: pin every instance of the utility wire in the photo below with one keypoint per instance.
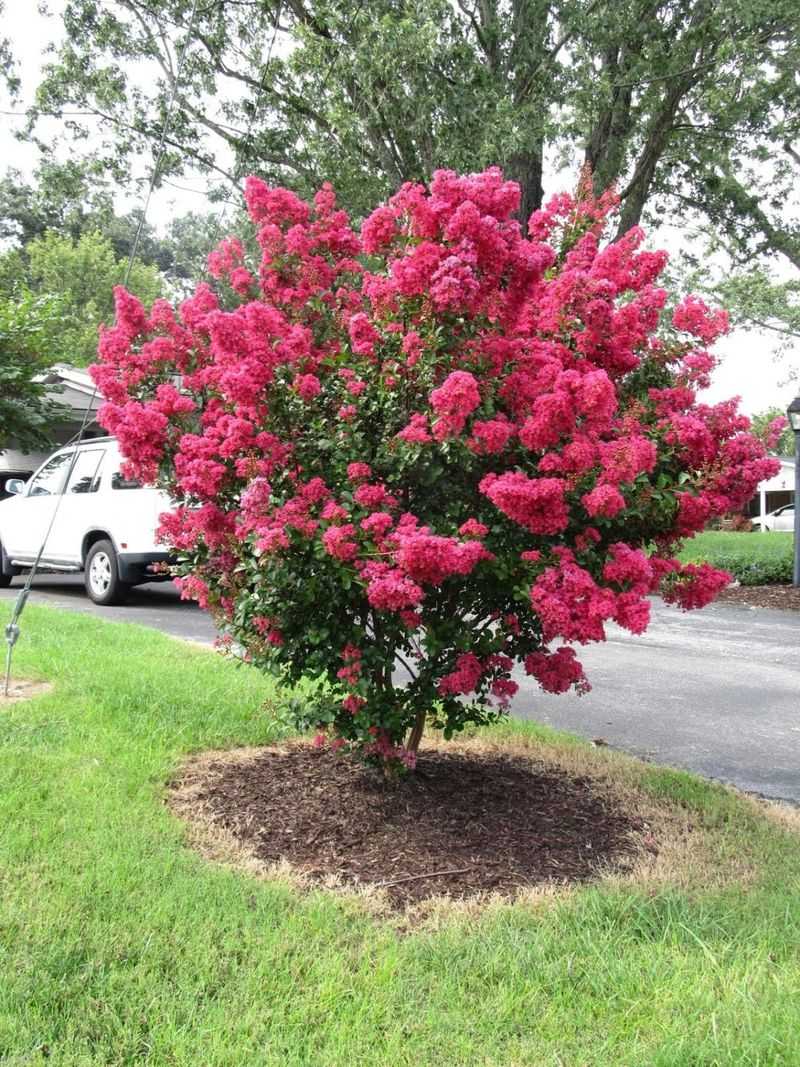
x,y
12,630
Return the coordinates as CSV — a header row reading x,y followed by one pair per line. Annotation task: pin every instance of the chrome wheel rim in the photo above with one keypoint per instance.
x,y
100,573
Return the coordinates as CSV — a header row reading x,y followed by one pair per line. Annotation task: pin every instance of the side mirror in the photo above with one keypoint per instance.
x,y
16,486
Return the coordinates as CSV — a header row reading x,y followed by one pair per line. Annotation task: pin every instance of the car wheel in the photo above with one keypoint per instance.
x,y
101,575
5,579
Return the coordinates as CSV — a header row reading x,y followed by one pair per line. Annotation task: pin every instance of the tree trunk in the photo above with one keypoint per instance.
x,y
526,168
415,736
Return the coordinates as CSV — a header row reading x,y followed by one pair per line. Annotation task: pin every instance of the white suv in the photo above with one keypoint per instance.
x,y
105,525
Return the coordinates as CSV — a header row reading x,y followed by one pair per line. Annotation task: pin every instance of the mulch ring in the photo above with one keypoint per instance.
x,y
786,597
464,824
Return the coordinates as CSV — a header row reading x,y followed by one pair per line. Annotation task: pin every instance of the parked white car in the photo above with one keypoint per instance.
x,y
105,524
780,519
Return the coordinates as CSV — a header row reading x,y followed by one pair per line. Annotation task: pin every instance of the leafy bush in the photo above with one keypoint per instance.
x,y
27,413
433,441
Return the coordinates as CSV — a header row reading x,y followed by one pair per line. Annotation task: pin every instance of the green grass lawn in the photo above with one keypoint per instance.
x,y
119,945
753,558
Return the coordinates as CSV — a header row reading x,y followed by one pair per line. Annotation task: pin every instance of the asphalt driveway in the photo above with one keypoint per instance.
x,y
715,691
155,604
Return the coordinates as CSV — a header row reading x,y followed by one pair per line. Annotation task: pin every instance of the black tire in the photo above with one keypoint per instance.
x,y
6,572
101,575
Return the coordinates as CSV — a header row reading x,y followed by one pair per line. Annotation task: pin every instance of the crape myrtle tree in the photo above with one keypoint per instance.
x,y
436,441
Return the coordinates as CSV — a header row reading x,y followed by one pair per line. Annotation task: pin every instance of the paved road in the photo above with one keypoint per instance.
x,y
716,691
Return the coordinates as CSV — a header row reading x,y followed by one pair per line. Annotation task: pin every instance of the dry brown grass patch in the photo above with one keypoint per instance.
x,y
22,689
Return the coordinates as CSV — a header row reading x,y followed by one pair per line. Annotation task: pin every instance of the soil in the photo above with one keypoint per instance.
x,y
464,824
786,597
21,689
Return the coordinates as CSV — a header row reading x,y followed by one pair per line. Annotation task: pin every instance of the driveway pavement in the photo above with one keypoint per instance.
x,y
715,691
155,604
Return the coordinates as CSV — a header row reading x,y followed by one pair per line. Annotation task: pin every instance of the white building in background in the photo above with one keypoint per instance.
x,y
775,492
72,388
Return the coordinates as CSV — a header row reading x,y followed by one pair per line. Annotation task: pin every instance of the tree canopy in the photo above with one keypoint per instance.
x,y
688,105
26,411
75,198
79,275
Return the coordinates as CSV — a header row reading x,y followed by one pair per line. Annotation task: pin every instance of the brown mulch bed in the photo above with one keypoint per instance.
x,y
786,597
464,824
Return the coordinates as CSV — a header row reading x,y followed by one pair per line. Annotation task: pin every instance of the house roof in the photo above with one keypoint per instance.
x,y
72,388
65,374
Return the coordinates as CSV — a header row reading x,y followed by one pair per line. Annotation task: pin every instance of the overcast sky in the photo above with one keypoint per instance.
x,y
748,367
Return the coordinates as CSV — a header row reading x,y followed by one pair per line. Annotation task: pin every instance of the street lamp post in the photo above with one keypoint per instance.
x,y
793,413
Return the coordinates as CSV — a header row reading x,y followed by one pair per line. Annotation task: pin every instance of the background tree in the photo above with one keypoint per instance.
x,y
79,275
784,446
685,103
690,106
26,413
75,198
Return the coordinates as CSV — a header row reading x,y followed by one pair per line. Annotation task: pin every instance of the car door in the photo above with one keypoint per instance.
x,y
76,513
24,528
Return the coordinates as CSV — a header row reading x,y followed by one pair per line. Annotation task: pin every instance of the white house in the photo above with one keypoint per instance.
x,y
73,389
774,492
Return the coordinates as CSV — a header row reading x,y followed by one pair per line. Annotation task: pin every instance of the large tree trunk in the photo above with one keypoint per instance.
x,y
526,168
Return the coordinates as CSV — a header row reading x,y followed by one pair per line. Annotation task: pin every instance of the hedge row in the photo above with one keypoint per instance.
x,y
752,558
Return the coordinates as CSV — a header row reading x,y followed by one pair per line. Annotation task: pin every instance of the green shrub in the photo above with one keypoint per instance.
x,y
752,558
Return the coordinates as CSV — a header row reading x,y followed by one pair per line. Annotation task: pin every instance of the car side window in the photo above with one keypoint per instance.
x,y
50,479
85,477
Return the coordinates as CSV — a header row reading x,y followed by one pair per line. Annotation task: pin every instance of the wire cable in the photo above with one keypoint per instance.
x,y
12,630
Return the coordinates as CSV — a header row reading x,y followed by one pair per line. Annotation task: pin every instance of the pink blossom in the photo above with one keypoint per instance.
x,y
339,543
558,671
455,399
307,386
377,524
604,500
536,503
464,678
417,430
490,436
694,316
393,591
412,347
430,559
695,585
363,335
379,229
358,472
473,528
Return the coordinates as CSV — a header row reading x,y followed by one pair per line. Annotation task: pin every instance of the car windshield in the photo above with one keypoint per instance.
x,y
50,478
